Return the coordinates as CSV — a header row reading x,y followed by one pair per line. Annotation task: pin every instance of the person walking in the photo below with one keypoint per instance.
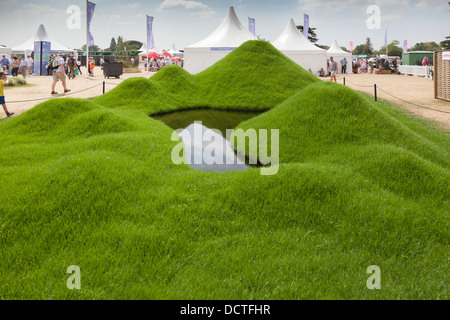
x,y
15,63
23,68
79,66
5,64
58,74
30,63
344,66
91,66
333,69
3,80
71,66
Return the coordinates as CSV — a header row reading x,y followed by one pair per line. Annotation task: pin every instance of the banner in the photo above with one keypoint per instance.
x,y
150,38
252,26
42,52
90,14
306,26
405,46
351,46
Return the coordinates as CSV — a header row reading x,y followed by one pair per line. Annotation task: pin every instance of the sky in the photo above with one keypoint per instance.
x,y
184,22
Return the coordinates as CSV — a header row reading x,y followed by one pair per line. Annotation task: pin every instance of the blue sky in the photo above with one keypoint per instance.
x,y
185,22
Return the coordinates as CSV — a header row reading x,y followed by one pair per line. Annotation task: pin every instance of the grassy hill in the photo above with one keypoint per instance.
x,y
92,184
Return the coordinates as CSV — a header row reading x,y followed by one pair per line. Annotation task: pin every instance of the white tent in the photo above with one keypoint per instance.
x,y
227,37
41,35
338,55
302,51
5,51
175,52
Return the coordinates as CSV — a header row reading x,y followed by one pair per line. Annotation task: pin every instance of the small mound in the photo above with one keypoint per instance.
x,y
137,94
68,118
47,116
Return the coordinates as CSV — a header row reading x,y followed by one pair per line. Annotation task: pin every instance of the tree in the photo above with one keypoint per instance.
x,y
393,49
358,50
312,35
426,46
113,45
368,48
345,49
446,43
93,48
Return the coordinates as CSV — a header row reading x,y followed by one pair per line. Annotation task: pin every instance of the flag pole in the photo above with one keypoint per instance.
x,y
147,58
87,38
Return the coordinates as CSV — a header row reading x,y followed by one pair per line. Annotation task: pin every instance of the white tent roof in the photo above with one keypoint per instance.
x,y
336,50
174,51
293,40
41,35
230,34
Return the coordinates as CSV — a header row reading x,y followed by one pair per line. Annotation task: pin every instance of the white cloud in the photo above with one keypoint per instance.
x,y
197,7
133,5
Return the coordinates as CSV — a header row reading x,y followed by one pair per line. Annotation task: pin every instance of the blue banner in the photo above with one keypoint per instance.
x,y
306,26
90,14
42,52
150,38
252,26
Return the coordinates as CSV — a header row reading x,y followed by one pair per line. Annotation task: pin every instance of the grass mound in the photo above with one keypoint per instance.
x,y
240,81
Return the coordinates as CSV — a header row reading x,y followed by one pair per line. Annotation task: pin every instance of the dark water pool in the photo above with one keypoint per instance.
x,y
206,149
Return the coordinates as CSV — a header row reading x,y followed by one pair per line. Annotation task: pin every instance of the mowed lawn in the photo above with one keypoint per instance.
x,y
91,183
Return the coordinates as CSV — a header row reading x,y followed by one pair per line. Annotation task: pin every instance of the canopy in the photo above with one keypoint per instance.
x,y
41,35
5,51
302,51
338,55
175,52
227,37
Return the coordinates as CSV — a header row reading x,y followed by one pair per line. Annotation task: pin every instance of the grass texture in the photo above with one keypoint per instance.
x,y
92,184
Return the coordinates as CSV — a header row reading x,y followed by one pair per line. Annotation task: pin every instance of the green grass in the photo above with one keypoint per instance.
x,y
91,183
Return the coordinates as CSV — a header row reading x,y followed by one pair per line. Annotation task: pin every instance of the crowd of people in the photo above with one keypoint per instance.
x,y
14,66
161,62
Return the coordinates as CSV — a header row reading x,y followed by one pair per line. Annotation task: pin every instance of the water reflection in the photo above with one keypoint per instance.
x,y
207,150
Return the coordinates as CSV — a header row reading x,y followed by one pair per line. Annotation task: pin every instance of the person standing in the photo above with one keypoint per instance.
x,y
58,74
133,61
79,66
15,63
333,69
344,66
30,63
3,80
5,64
71,66
91,66
23,68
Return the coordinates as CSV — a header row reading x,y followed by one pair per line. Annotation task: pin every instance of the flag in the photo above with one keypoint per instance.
x,y
306,26
150,38
90,14
405,46
252,26
351,46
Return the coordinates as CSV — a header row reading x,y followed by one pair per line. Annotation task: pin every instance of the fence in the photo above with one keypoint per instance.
x,y
417,71
442,75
